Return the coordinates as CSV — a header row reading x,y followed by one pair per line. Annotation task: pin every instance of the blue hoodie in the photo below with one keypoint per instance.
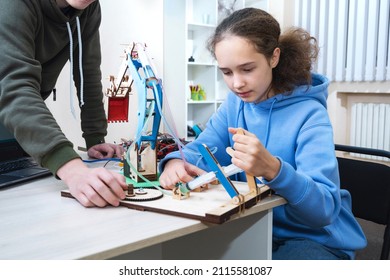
x,y
296,129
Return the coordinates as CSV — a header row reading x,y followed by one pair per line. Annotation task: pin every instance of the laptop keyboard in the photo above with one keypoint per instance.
x,y
16,165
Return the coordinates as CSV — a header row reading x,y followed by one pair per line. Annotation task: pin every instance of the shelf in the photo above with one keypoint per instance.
x,y
201,102
201,64
199,26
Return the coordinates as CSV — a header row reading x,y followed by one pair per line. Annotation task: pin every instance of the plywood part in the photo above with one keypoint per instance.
x,y
212,205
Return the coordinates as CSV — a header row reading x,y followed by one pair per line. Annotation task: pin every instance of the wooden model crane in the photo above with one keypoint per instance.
x,y
141,156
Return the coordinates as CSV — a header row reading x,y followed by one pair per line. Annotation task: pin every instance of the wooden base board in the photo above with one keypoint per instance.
x,y
212,205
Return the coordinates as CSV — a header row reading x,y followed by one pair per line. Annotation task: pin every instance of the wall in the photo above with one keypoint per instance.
x,y
341,95
123,22
282,10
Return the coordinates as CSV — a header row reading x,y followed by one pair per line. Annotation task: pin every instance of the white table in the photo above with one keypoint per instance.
x,y
37,223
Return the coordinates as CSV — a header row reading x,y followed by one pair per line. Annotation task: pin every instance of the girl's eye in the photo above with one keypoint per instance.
x,y
226,73
248,70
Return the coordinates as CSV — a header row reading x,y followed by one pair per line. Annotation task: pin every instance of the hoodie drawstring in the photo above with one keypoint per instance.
x,y
268,127
80,62
268,123
80,65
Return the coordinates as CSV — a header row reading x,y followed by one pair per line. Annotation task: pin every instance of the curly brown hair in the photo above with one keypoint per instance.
x,y
298,49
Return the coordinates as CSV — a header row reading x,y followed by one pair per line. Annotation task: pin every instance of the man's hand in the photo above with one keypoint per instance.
x,y
93,186
105,150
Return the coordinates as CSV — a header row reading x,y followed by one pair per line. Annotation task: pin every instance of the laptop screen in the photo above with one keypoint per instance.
x,y
9,147
16,165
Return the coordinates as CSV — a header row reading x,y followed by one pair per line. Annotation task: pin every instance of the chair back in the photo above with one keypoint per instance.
x,y
369,185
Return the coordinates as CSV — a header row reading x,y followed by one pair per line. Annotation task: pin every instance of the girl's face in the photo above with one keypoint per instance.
x,y
77,4
246,71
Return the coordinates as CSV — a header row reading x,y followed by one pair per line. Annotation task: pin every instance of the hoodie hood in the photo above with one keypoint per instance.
x,y
316,91
54,13
287,102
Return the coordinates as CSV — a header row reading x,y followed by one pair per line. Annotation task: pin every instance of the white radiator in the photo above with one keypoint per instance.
x,y
370,127
353,36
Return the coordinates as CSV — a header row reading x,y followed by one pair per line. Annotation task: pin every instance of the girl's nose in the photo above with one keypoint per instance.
x,y
238,82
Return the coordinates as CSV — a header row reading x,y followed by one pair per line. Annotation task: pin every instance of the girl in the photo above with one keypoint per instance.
x,y
287,140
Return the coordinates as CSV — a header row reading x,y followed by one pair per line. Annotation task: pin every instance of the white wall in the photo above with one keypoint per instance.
x,y
282,10
123,22
342,94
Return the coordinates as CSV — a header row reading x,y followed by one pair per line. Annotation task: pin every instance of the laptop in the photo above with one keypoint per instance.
x,y
16,166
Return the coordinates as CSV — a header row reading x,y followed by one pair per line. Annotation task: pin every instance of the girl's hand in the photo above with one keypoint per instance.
x,y
175,171
251,156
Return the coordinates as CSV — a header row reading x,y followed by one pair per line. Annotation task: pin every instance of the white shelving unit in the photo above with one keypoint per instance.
x,y
187,27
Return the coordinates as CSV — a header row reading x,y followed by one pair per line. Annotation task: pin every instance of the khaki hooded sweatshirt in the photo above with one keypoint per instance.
x,y
37,38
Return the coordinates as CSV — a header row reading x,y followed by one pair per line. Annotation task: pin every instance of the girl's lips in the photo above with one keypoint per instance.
x,y
243,94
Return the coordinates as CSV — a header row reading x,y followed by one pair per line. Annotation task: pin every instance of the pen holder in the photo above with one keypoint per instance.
x,y
197,93
194,96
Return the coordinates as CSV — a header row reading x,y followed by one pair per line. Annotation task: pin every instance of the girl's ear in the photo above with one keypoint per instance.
x,y
275,57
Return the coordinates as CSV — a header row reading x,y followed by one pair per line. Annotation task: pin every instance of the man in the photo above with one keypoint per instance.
x,y
38,38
